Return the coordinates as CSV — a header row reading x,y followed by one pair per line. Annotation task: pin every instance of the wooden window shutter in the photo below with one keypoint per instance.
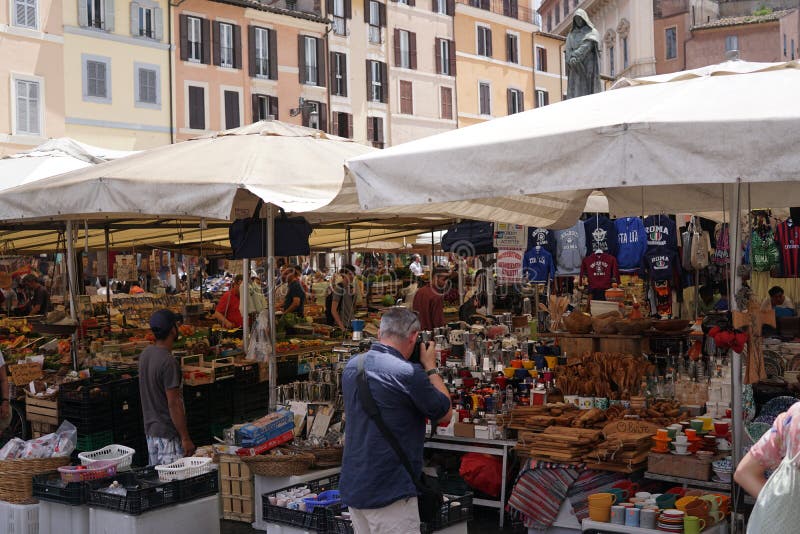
x,y
437,52
108,24
452,55
232,119
134,19
544,59
489,42
272,39
301,57
348,9
349,125
237,46
183,22
254,104
412,47
158,26
510,101
367,4
396,47
329,7
334,123
434,5
332,71
197,119
451,7
379,127
321,75
272,104
217,48
323,117
370,129
521,101
546,98
384,83
509,51
206,37
83,14
369,80
412,3
382,14
344,75
251,51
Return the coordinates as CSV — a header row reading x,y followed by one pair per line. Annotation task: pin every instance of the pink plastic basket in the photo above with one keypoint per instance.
x,y
96,471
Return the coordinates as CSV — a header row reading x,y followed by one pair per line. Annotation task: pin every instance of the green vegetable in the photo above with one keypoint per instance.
x,y
388,300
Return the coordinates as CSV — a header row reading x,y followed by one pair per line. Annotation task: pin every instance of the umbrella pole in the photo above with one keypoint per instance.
x,y
273,368
460,280
108,279
735,236
433,254
244,295
73,312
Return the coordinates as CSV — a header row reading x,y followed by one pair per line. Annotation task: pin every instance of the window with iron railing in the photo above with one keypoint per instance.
x,y
95,10
311,61
339,21
262,52
375,23
146,22
226,45
195,40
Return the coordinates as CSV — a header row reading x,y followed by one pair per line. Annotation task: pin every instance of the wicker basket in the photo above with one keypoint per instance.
x,y
16,477
283,465
324,457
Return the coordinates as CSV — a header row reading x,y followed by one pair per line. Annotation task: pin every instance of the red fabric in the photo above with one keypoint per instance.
x,y
482,472
429,305
233,314
600,269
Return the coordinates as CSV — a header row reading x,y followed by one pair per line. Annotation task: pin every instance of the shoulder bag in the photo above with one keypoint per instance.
x,y
430,498
776,508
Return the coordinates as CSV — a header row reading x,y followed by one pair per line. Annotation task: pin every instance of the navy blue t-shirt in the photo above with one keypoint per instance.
x,y
542,237
372,475
600,234
295,290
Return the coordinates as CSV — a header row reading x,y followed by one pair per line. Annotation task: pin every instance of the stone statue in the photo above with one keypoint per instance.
x,y
583,57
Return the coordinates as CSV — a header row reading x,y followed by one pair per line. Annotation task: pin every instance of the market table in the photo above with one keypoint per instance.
x,y
495,447
201,515
264,485
595,527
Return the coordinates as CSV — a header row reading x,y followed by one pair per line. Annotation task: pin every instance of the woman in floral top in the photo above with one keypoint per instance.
x,y
769,452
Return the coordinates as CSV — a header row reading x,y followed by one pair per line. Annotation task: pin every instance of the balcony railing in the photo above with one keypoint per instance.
x,y
375,36
508,8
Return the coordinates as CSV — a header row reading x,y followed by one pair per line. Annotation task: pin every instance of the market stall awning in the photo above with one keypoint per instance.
x,y
667,144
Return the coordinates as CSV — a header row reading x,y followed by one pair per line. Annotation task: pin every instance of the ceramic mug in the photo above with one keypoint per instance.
x,y
714,500
681,449
643,495
600,513
620,494
618,515
721,428
601,403
681,439
693,525
716,516
586,403
632,517
683,502
697,425
647,518
691,433
662,434
627,485
602,499
666,501
572,399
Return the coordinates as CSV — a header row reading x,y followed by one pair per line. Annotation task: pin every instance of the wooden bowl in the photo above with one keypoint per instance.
x,y
671,325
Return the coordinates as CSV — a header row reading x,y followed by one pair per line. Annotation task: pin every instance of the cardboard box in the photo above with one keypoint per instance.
x,y
679,466
481,431
464,430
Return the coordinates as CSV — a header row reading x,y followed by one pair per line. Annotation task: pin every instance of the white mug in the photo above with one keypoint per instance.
x,y
681,440
643,495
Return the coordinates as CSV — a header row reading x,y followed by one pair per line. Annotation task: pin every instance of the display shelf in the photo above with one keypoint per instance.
x,y
609,528
688,482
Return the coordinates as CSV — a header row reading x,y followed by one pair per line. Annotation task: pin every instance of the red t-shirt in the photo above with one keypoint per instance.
x,y
600,269
788,238
429,305
233,314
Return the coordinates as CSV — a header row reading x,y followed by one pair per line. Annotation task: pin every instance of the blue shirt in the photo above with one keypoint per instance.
x,y
372,475
537,265
632,241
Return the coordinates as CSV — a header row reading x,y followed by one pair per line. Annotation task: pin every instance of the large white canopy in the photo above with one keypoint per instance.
x,y
663,144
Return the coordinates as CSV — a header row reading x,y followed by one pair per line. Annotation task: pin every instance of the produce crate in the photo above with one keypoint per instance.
x,y
41,409
85,392
221,401
125,400
236,489
42,429
316,520
246,373
144,492
92,442
197,487
87,419
51,488
127,431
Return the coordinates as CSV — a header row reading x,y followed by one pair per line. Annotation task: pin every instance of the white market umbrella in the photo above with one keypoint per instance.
x,y
663,145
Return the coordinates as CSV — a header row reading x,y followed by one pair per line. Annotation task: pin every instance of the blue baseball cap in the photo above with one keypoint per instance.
x,y
162,321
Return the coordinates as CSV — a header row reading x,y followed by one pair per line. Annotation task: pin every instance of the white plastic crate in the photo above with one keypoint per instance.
x,y
55,518
118,453
184,468
194,517
19,518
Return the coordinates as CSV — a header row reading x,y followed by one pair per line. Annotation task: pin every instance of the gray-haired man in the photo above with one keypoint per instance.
x,y
380,493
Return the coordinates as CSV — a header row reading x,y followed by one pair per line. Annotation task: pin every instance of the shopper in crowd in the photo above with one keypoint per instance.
x,y
381,495
343,298
161,392
705,301
416,265
5,399
228,311
429,300
779,302
295,295
38,297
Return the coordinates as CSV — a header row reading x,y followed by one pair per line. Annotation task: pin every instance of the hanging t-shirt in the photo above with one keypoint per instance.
x,y
600,270
701,248
764,254
542,237
632,240
787,235
686,250
722,253
570,249
661,232
600,234
662,264
537,265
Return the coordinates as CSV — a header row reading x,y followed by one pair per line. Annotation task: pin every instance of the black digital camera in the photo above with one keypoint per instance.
x,y
422,337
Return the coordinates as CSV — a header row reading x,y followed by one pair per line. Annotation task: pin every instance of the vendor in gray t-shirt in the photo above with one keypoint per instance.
x,y
160,387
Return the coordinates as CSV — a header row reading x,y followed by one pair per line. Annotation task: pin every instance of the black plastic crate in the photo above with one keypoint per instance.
x,y
50,487
85,392
125,399
316,520
221,398
93,442
144,492
128,432
246,375
141,457
88,419
197,487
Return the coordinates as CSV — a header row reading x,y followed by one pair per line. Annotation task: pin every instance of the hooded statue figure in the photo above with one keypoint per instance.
x,y
583,57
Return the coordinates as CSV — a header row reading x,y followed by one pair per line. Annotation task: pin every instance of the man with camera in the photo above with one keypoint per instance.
x,y
374,483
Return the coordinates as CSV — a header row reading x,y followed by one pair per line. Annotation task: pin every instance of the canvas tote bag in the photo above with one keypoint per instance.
x,y
776,508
